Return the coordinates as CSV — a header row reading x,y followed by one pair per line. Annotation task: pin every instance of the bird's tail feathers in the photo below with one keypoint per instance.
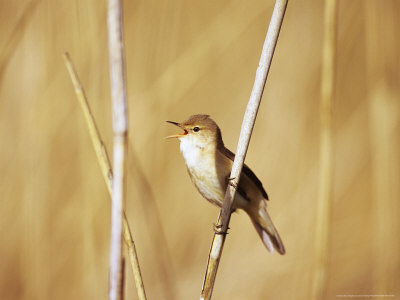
x,y
267,231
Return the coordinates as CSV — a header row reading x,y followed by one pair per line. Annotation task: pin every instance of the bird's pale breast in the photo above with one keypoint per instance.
x,y
202,170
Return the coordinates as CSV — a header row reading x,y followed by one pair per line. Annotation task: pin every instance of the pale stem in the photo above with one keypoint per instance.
x,y
244,139
120,129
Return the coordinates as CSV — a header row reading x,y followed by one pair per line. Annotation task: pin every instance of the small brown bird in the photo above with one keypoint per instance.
x,y
209,165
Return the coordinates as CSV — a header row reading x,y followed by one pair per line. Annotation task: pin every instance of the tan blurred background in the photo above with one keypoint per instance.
x,y
186,57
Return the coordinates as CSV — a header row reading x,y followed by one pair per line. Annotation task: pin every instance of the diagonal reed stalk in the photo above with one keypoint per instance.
x,y
244,140
106,170
325,176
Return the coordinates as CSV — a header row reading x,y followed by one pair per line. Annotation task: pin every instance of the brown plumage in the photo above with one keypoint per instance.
x,y
209,164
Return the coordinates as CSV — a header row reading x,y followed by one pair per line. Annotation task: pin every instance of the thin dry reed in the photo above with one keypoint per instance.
x,y
105,166
322,224
244,139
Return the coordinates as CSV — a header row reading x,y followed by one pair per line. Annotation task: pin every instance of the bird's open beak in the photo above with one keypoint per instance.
x,y
179,134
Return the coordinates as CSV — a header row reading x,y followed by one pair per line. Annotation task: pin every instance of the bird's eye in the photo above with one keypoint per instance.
x,y
196,129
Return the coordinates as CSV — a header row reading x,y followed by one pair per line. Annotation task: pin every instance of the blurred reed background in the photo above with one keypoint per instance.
x,y
186,57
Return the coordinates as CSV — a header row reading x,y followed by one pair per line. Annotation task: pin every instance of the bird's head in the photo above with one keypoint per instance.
x,y
199,130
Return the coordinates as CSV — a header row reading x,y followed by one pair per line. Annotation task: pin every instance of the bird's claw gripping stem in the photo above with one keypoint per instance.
x,y
231,183
218,229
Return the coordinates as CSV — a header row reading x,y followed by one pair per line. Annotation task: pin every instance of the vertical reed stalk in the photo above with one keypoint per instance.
x,y
244,140
325,174
120,128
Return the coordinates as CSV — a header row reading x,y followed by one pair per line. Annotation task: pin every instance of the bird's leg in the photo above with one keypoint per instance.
x,y
218,229
231,183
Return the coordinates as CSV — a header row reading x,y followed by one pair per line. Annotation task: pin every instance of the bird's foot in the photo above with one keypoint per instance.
x,y
218,229
231,183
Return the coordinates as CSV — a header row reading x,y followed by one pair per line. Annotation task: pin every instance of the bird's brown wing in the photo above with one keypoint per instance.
x,y
246,170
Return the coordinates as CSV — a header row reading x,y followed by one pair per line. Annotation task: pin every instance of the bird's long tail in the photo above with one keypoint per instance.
x,y
266,229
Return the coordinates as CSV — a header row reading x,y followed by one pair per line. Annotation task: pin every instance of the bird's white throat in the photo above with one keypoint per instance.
x,y
192,151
